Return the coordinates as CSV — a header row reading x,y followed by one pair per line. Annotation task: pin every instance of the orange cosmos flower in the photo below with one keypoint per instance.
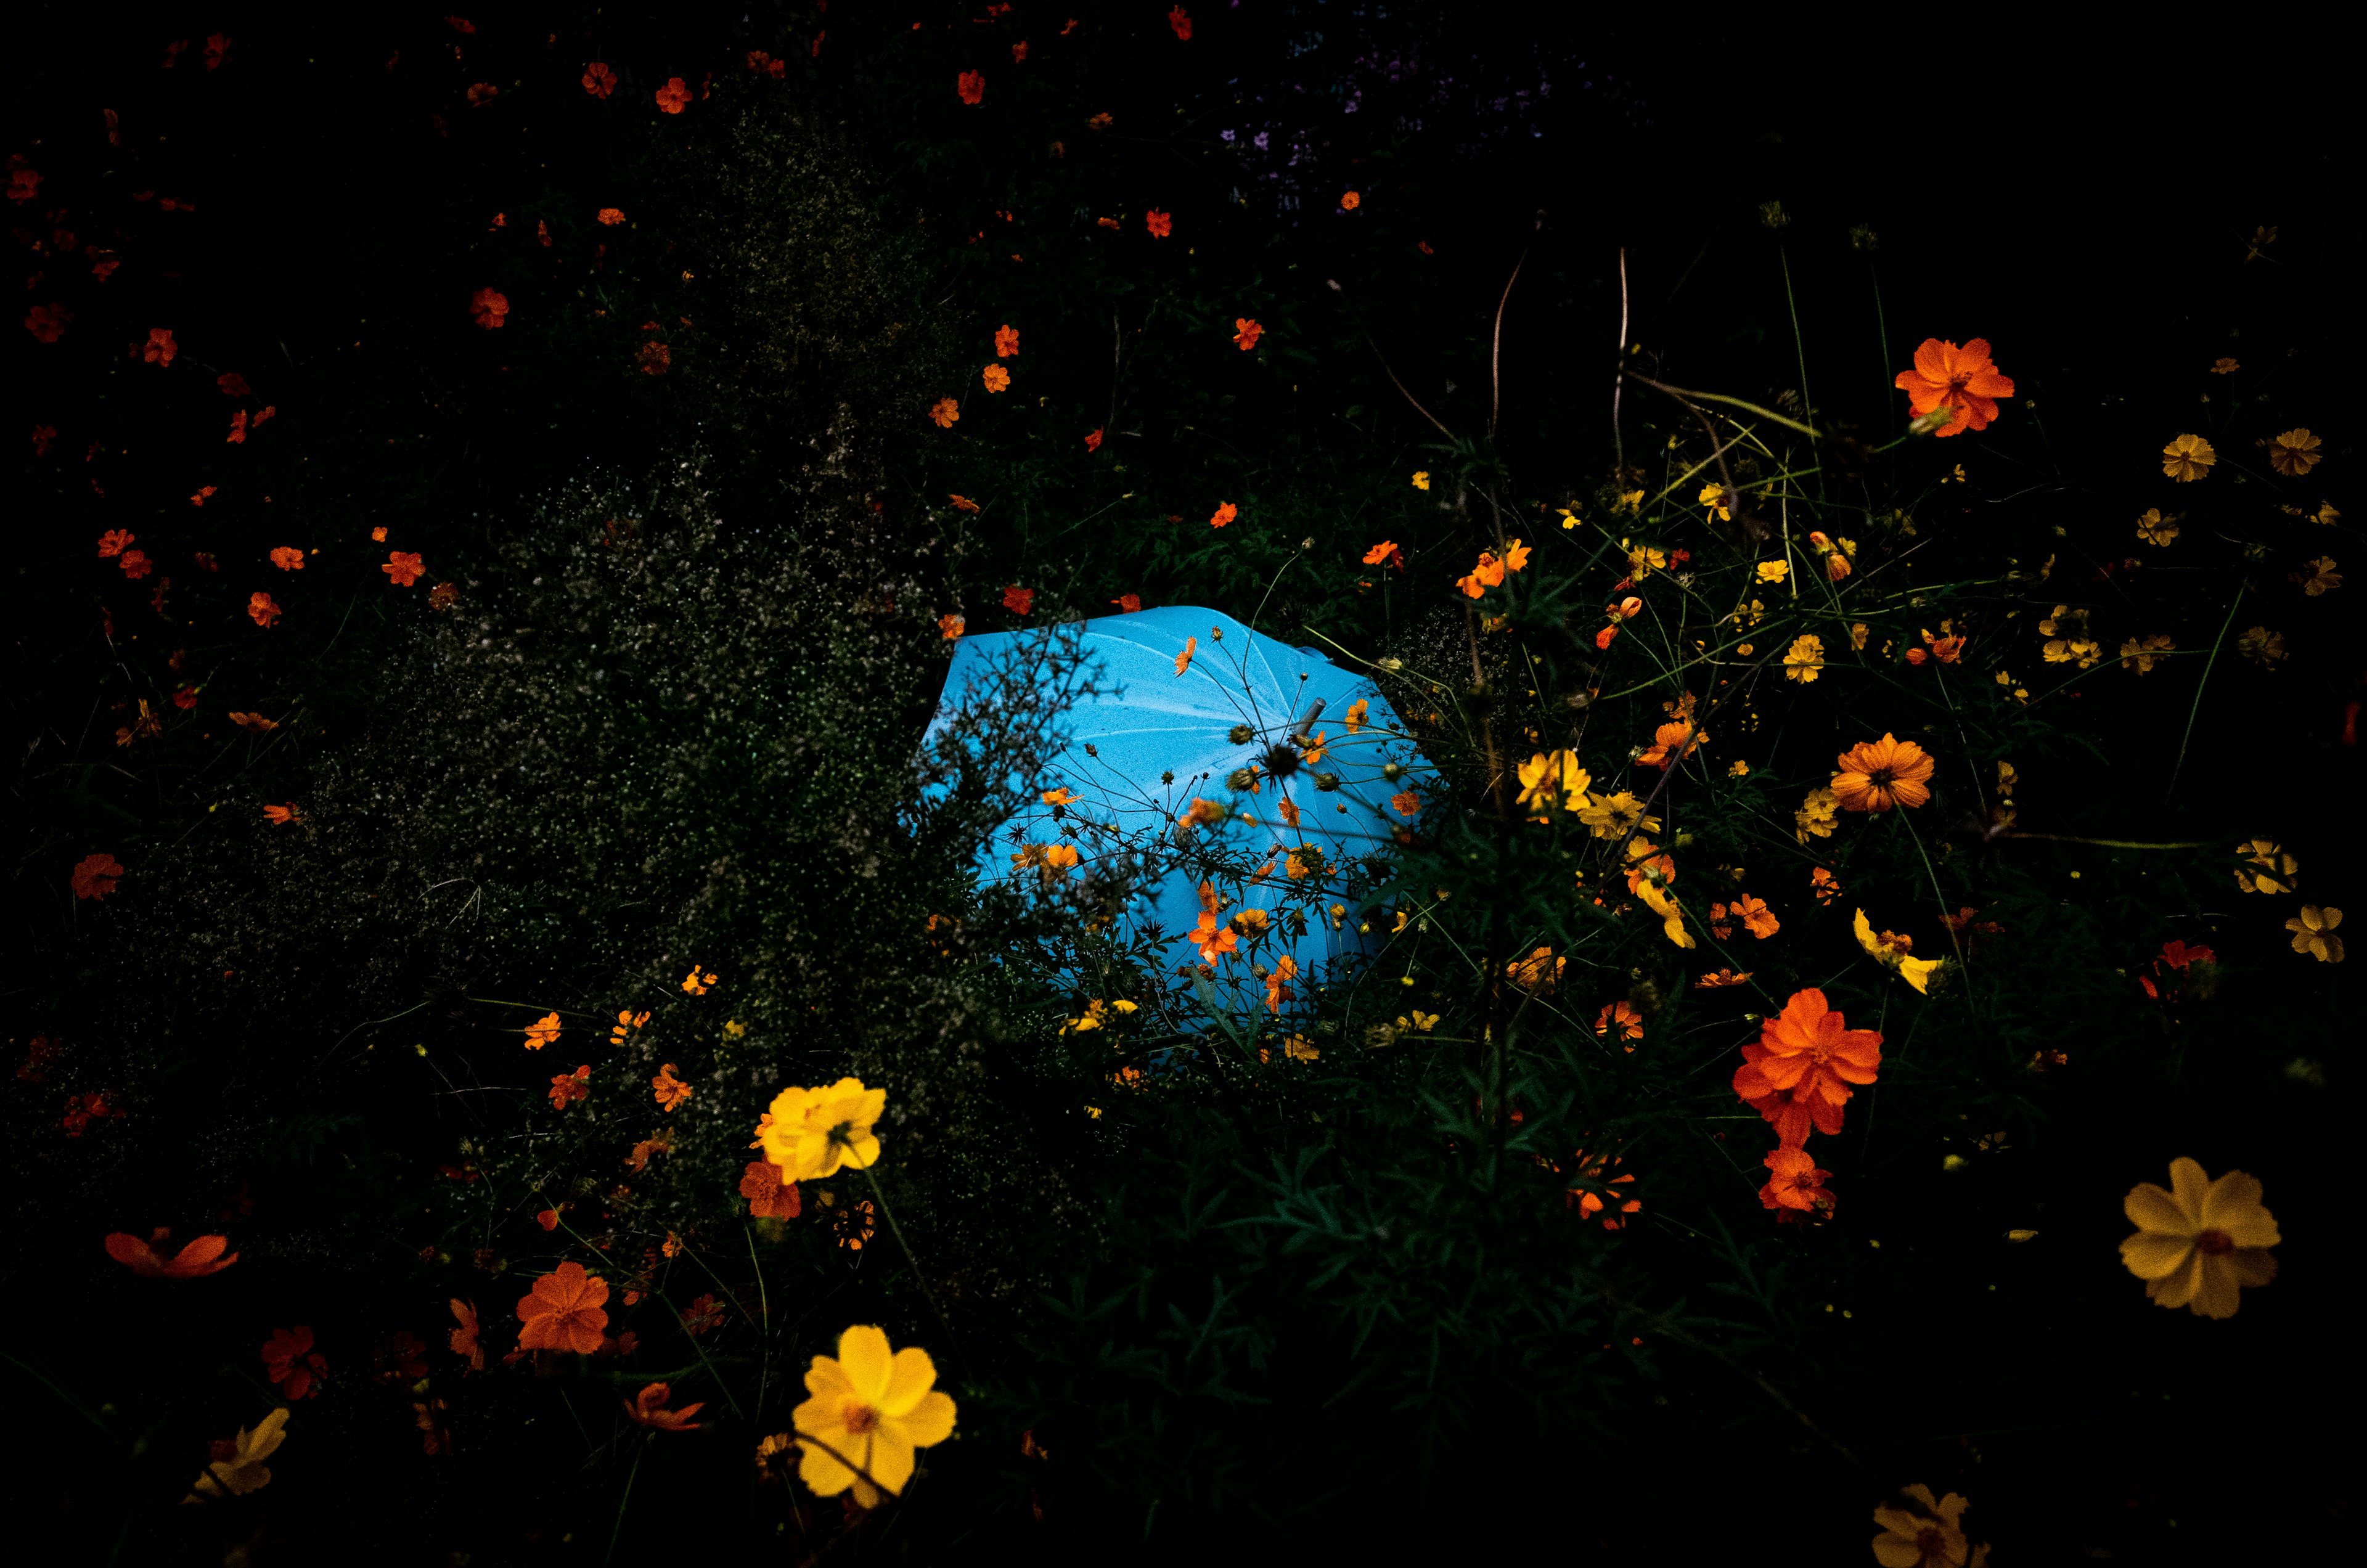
x,y
1183,660
1799,1073
489,307
563,1311
1671,743
598,80
995,377
1225,512
542,1031
1386,553
1162,224
769,1198
1963,381
114,542
47,323
1017,600
1755,914
1128,603
1180,21
611,216
1350,202
626,1021
264,609
1354,718
566,1088
1723,977
200,1257
95,875
281,814
972,85
1797,1187
670,1090
945,410
1822,883
1540,972
950,626
1277,985
1406,803
404,567
1006,341
287,558
675,96
1093,442
465,1342
1246,333
1589,1204
1620,1021
647,1409
160,347
1878,774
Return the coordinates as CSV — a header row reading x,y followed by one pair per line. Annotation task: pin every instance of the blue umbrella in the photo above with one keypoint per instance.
x,y
1247,722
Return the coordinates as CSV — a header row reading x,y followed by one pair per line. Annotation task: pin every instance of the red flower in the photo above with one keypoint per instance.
x,y
1246,333
1180,21
482,93
465,1342
43,435
199,499
237,428
1799,1073
200,1257
1006,341
264,609
1162,224
113,541
961,503
81,1109
160,347
217,51
702,1314
1797,1187
598,80
1963,381
289,1360
1017,600
611,216
675,96
1093,442
647,1409
287,558
95,875
408,1358
1226,513
568,1088
47,323
1019,52
136,564
769,1198
489,307
233,384
563,1312
655,358
972,85
24,180
403,568
1386,553
1128,603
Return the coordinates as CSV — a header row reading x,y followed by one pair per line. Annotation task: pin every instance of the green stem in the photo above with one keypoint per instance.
x,y
1799,346
1939,898
919,1277
621,1502
2199,687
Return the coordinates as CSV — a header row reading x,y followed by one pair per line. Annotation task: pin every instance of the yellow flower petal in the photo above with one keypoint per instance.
x,y
931,1421
2151,1209
864,1357
2155,1257
2188,1186
910,1377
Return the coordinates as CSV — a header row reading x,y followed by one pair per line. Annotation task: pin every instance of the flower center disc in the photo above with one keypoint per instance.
x,y
861,1418
2215,1243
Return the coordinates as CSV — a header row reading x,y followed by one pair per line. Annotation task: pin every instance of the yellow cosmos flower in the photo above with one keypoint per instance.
x,y
1422,478
813,1131
1929,1534
2294,453
870,1411
2156,529
1805,657
2188,458
1892,955
2268,867
2197,1244
1672,921
1774,570
1547,777
241,1470
2313,932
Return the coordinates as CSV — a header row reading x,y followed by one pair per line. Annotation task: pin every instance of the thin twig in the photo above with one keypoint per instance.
x,y
1400,386
2200,686
1496,350
1619,373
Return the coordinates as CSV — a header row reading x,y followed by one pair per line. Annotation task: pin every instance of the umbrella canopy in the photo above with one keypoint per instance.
x,y
1196,706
